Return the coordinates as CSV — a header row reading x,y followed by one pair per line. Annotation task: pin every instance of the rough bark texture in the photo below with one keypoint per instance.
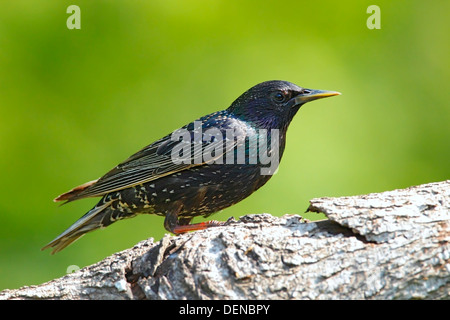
x,y
390,245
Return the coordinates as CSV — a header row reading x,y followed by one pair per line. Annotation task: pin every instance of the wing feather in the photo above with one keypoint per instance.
x,y
151,163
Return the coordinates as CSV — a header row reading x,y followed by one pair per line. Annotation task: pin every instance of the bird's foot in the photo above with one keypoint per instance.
x,y
202,225
229,221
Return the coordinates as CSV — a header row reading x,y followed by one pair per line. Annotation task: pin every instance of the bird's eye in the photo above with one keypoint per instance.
x,y
279,96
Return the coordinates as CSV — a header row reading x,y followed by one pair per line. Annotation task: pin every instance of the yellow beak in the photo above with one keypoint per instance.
x,y
310,95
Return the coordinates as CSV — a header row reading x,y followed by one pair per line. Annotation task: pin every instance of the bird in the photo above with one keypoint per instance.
x,y
205,166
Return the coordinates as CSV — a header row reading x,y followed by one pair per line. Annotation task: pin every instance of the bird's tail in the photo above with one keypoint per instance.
x,y
98,217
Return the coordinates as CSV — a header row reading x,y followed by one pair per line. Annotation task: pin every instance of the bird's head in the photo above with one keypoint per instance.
x,y
273,104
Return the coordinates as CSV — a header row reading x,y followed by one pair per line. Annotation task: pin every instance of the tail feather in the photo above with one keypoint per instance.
x,y
92,220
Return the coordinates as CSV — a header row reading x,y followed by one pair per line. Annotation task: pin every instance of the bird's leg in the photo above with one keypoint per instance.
x,y
178,225
197,226
184,226
171,219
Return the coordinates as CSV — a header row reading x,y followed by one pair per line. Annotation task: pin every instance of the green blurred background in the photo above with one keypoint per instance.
x,y
74,103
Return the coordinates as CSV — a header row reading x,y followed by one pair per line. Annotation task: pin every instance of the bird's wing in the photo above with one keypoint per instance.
x,y
150,163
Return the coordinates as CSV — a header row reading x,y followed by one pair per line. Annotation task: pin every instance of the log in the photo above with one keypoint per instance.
x,y
389,245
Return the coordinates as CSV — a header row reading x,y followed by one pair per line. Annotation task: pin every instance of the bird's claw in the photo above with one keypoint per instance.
x,y
229,221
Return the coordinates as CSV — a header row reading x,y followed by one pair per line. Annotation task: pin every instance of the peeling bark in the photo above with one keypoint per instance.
x,y
390,245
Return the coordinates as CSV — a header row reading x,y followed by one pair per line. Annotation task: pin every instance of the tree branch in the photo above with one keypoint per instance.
x,y
390,245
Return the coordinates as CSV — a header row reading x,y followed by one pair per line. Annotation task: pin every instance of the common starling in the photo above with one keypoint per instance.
x,y
199,169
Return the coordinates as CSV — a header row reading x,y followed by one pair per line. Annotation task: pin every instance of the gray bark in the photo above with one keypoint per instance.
x,y
390,245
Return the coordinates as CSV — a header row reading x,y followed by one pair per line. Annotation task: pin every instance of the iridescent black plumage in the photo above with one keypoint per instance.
x,y
150,181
